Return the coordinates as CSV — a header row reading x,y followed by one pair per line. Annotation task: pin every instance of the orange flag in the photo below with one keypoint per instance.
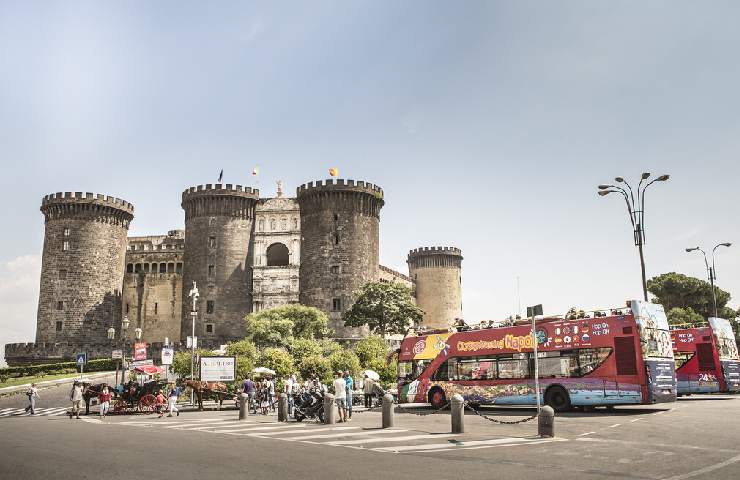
x,y
334,172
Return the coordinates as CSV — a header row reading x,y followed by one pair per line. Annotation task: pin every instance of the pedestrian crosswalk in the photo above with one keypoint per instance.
x,y
392,440
40,412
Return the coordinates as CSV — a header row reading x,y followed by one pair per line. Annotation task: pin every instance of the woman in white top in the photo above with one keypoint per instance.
x,y
33,395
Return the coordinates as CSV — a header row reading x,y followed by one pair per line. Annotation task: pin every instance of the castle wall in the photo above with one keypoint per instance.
x,y
339,245
82,266
218,257
436,275
152,285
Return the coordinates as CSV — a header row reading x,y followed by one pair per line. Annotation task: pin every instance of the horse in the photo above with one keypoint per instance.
x,y
91,390
202,390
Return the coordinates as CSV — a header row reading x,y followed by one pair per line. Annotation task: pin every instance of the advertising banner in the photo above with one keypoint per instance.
x,y
167,356
217,369
139,351
725,338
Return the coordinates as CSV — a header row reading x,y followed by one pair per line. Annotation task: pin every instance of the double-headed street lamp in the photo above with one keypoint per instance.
x,y
636,210
138,332
711,271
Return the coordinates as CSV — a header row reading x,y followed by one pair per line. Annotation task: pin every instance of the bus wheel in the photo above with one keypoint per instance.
x,y
437,398
558,399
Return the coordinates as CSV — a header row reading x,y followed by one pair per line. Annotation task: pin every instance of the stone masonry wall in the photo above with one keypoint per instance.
x,y
436,275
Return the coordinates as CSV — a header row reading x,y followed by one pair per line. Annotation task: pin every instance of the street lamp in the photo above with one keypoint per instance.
x,y
636,210
711,270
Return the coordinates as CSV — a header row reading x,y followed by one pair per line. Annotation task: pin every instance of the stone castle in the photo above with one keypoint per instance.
x,y
245,253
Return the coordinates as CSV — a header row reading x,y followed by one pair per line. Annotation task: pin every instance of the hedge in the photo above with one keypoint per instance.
x,y
101,365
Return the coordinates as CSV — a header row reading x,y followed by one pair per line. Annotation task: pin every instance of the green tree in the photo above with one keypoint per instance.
x,y
316,365
277,359
371,348
685,316
385,307
387,371
329,346
242,349
304,347
308,322
269,328
345,360
181,362
676,290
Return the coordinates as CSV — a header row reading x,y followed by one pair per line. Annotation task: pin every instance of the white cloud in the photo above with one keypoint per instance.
x,y
19,294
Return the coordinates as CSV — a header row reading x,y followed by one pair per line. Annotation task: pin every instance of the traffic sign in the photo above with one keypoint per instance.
x,y
81,359
167,355
192,342
117,354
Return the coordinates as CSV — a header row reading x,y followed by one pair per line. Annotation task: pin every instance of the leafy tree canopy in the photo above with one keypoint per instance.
x,y
181,362
685,316
371,348
277,327
385,307
329,346
676,290
277,359
304,347
242,349
316,365
345,360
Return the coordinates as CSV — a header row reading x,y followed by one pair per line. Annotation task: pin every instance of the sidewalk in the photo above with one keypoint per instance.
x,y
8,391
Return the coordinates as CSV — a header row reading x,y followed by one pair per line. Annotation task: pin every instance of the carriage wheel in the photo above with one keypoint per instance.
x,y
147,403
120,406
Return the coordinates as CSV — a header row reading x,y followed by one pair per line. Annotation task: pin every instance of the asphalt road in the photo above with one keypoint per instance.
x,y
698,437
51,396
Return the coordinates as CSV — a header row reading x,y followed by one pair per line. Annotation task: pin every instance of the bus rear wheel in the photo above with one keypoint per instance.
x,y
558,398
437,398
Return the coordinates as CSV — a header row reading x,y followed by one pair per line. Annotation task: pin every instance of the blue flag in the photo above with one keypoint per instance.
x,y
220,176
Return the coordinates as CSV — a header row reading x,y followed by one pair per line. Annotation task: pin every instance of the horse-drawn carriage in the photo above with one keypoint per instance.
x,y
139,398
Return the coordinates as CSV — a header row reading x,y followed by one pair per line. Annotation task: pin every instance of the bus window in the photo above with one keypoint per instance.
x,y
465,368
446,371
682,357
509,367
411,370
558,364
591,358
486,369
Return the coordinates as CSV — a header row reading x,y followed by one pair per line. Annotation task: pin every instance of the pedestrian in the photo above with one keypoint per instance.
x,y
264,397
33,394
340,396
172,400
288,389
271,393
250,389
160,405
75,396
367,389
104,401
350,386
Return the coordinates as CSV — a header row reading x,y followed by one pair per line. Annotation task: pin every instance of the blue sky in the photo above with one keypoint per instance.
x,y
488,124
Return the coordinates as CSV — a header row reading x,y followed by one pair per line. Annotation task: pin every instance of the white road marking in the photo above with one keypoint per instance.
x,y
615,425
331,435
262,426
324,429
534,442
707,469
587,433
447,446
390,439
627,442
635,420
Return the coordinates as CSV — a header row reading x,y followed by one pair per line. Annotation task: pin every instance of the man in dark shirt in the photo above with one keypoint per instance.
x,y
250,389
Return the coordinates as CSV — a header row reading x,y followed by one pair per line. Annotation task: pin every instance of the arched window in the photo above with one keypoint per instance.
x,y
272,225
262,225
283,223
277,255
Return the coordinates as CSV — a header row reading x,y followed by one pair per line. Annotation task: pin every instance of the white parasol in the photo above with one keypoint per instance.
x,y
263,371
371,374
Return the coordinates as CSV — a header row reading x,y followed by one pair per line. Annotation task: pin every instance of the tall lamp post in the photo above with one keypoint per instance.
x,y
636,210
711,271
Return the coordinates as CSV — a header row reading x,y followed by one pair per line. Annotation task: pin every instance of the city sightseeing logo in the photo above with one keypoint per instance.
x,y
420,346
509,342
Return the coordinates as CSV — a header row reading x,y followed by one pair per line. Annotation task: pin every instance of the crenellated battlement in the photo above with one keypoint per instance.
x,y
422,251
340,184
87,205
426,257
220,200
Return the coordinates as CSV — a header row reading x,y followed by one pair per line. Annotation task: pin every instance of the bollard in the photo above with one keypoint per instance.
x,y
329,410
546,422
387,410
457,412
243,406
283,407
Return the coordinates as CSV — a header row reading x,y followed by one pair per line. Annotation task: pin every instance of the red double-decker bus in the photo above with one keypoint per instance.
x,y
612,357
707,358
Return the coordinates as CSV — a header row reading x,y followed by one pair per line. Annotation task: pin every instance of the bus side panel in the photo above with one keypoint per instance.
x,y
731,373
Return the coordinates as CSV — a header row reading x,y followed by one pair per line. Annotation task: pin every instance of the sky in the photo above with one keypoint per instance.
x,y
488,124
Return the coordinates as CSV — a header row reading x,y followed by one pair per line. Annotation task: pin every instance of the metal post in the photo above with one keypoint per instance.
x,y
714,295
329,410
536,365
283,407
642,262
243,406
546,422
457,413
387,411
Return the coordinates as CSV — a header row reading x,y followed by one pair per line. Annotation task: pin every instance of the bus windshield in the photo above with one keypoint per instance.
x,y
410,371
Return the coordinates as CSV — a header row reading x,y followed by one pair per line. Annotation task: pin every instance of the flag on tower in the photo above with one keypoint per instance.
x,y
334,172
221,176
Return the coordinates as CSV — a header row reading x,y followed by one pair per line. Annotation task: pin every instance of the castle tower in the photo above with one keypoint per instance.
x,y
218,257
340,222
82,267
436,272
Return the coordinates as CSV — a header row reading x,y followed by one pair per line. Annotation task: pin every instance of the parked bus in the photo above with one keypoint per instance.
x,y
707,358
613,357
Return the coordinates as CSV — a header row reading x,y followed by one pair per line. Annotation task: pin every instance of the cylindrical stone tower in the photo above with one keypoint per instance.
x,y
340,222
82,267
218,249
436,273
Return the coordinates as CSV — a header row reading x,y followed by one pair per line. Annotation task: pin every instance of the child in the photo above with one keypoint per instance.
x,y
160,404
104,401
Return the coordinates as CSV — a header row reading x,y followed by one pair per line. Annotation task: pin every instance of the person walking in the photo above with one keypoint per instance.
x,y
33,395
271,392
288,389
367,390
172,400
104,401
250,389
265,397
161,402
340,396
350,382
75,396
